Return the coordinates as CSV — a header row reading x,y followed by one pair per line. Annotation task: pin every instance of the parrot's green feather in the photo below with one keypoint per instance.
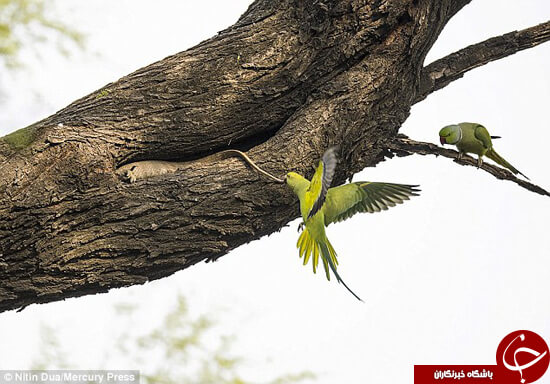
x,y
346,200
480,133
493,155
474,138
308,249
301,245
321,205
327,270
325,250
315,261
321,181
332,253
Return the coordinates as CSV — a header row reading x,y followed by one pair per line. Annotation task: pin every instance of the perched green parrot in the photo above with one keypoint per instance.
x,y
474,138
321,205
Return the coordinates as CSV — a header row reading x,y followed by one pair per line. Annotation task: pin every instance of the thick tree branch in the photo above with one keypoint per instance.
x,y
455,6
289,79
403,146
444,71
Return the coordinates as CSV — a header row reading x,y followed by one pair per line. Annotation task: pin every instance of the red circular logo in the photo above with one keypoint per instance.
x,y
524,356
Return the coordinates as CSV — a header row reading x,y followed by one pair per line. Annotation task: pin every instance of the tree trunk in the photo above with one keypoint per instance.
x,y
289,79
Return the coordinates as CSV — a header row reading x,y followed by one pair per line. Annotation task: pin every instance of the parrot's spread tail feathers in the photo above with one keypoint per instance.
x,y
493,155
307,247
328,255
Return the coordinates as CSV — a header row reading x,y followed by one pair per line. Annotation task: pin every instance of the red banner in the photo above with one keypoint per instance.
x,y
463,374
522,358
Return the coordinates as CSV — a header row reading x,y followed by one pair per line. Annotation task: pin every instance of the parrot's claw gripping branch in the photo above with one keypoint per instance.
x,y
403,146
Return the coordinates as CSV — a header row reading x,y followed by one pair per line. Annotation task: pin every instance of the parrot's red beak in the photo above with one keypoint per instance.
x,y
442,140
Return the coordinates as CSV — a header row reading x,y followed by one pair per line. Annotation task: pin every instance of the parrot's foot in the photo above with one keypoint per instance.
x,y
460,155
300,227
479,161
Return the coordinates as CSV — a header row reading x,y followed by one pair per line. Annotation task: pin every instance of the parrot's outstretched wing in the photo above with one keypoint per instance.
x,y
481,133
346,200
321,181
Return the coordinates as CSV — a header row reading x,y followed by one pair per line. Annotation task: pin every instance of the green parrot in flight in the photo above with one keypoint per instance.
x,y
321,206
474,138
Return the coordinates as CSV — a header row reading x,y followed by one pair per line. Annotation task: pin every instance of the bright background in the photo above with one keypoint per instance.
x,y
444,277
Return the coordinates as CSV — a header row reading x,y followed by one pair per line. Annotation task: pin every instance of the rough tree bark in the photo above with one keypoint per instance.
x,y
290,78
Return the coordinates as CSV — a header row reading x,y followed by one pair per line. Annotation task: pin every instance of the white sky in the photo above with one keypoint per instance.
x,y
444,277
